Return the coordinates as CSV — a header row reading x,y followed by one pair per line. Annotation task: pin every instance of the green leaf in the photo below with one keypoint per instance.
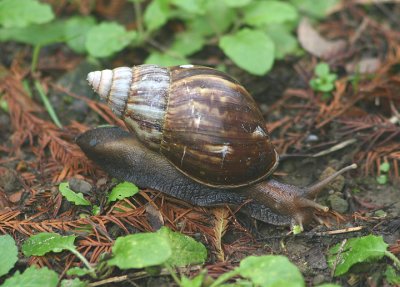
x,y
216,20
33,277
95,209
77,271
8,254
22,13
197,281
382,179
108,38
392,276
384,167
76,29
314,8
329,285
285,43
356,250
156,14
185,250
196,7
236,3
251,50
73,283
271,270
164,60
42,35
187,43
72,196
42,243
140,250
321,69
263,13
121,191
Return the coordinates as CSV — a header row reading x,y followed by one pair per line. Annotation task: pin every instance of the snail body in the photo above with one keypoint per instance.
x,y
198,135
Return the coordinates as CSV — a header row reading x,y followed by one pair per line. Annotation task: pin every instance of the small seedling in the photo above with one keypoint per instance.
x,y
324,80
383,177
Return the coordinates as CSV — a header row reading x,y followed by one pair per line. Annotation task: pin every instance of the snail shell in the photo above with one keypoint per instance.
x,y
202,120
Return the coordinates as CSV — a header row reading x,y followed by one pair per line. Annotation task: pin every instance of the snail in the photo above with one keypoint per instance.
x,y
196,134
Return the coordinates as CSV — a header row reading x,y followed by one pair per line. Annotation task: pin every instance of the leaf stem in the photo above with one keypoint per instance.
x,y
173,274
83,259
47,104
225,277
35,57
139,21
394,258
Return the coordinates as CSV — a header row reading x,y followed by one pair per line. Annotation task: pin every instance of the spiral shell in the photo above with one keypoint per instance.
x,y
203,121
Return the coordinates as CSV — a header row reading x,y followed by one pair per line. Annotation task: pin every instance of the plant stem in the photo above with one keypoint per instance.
x,y
139,22
47,104
35,57
394,258
224,277
173,274
83,259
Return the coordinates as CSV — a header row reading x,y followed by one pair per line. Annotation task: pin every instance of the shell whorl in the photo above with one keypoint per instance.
x,y
138,95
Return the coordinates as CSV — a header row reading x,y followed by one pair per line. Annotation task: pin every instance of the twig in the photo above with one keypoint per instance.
x,y
340,231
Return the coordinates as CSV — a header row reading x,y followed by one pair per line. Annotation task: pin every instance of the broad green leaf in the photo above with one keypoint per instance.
x,y
384,167
164,60
262,13
191,6
284,41
271,270
72,196
156,14
185,250
216,20
22,13
8,254
42,35
364,249
42,243
314,8
251,50
76,29
329,285
33,277
140,250
73,283
236,3
187,43
121,191
108,38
